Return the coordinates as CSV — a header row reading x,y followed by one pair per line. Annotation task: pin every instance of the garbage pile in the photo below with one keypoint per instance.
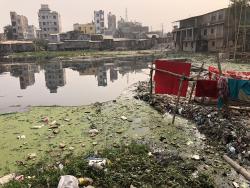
x,y
229,129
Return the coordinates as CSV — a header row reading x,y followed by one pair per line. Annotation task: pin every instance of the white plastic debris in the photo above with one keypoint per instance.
x,y
7,178
68,182
196,157
97,163
124,118
21,137
236,185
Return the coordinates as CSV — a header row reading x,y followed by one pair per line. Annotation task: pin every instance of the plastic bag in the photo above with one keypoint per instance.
x,y
68,182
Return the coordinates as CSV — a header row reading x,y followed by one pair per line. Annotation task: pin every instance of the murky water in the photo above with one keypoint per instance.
x,y
65,84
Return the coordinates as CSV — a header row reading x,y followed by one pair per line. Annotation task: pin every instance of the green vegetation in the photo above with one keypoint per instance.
x,y
43,55
129,165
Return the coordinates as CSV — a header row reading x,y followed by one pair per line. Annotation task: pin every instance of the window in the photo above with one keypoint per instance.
x,y
98,21
54,17
91,28
44,29
14,30
192,44
43,17
213,18
186,44
213,44
44,23
205,32
13,23
55,29
55,23
212,30
221,16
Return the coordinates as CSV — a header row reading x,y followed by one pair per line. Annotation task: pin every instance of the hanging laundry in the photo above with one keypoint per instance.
x,y
168,84
239,89
223,91
232,74
206,88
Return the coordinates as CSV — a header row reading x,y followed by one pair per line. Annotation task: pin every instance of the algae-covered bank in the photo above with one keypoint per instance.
x,y
143,147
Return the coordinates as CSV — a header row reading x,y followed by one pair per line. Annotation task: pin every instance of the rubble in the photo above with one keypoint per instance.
x,y
228,129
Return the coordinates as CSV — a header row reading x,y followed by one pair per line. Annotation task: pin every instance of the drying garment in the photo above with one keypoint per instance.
x,y
223,91
239,89
168,84
206,88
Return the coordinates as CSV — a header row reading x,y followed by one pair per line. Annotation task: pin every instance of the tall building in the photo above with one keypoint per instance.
x,y
88,28
31,34
19,26
99,21
49,22
111,22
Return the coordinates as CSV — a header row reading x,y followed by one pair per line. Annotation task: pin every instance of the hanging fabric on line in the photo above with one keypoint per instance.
x,y
206,88
169,84
239,89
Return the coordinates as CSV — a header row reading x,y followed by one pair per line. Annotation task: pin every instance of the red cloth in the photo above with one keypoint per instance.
x,y
168,84
206,88
232,74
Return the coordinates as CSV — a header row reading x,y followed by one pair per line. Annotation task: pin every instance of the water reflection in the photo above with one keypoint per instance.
x,y
66,83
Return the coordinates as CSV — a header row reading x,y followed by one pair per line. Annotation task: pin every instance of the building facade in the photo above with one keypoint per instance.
x,y
88,28
99,21
111,23
211,32
49,22
19,26
31,32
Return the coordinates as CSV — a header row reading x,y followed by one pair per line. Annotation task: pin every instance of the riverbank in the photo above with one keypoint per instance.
x,y
170,155
83,55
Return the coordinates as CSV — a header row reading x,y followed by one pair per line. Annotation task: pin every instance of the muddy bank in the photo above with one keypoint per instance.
x,y
228,131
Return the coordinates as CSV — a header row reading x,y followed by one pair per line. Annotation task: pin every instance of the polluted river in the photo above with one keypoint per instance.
x,y
54,116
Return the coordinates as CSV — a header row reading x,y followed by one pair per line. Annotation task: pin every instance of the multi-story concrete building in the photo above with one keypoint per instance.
x,y
131,30
19,26
99,21
31,34
211,32
49,22
111,23
88,28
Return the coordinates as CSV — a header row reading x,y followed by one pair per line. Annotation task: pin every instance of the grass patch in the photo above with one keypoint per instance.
x,y
129,165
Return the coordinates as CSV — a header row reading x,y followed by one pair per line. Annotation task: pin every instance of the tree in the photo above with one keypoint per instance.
x,y
8,32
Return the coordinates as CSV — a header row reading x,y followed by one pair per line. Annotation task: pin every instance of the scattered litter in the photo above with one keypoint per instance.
x,y
37,127
21,137
150,154
236,185
71,148
196,157
56,131
97,163
19,178
53,123
195,174
189,143
94,143
62,145
93,132
68,182
7,178
60,166
46,120
32,156
85,181
124,118
66,119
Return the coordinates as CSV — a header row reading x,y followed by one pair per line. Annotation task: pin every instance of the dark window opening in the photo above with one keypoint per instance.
x,y
213,43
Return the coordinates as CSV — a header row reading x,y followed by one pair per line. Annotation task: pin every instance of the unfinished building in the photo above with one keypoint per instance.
x,y
218,31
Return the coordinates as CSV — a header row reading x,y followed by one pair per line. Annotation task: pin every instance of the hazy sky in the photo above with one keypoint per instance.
x,y
150,12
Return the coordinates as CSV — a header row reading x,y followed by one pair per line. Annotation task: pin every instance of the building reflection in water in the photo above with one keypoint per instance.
x,y
26,73
55,73
55,76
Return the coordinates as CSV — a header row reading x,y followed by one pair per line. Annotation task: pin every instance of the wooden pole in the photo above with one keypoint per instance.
x,y
151,81
237,167
178,98
193,86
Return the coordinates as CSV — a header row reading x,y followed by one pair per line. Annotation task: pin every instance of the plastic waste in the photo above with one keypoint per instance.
x,y
68,181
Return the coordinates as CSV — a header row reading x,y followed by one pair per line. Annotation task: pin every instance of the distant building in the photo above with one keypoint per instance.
x,y
111,24
2,37
19,26
131,30
31,32
88,28
55,76
49,22
99,21
214,31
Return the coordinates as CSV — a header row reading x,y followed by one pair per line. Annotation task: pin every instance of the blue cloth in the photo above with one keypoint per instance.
x,y
236,85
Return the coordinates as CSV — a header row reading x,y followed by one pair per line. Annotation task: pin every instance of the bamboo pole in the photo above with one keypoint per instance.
x,y
151,81
193,86
178,98
237,167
